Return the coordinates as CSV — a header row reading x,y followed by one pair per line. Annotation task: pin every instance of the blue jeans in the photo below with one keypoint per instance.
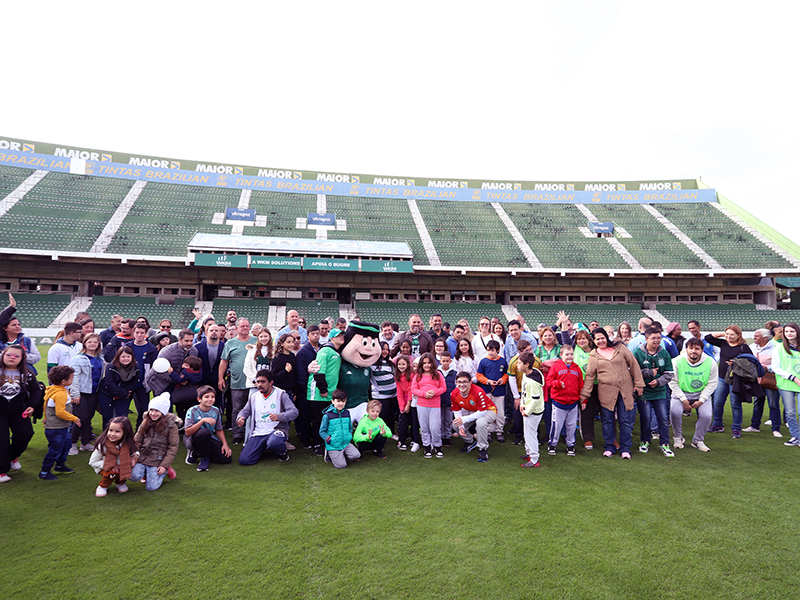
x,y
154,480
720,396
654,409
774,402
626,421
790,400
256,445
59,441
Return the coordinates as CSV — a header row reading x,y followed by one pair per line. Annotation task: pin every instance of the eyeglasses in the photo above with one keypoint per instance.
x,y
303,323
166,326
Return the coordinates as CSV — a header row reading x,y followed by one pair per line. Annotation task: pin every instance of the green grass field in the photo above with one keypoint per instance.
x,y
705,526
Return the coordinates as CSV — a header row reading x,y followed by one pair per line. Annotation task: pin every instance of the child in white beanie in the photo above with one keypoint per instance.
x,y
157,438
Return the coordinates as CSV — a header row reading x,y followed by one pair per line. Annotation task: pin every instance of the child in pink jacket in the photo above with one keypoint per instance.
x,y
428,385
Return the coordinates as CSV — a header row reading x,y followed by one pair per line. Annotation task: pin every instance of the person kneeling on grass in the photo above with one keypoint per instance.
x,y
692,387
58,420
267,415
157,439
114,455
470,404
335,430
372,431
563,385
203,435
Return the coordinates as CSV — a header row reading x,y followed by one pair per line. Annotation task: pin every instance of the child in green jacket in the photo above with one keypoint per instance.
x,y
372,431
336,430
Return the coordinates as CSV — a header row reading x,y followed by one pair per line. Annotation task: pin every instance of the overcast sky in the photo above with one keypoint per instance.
x,y
569,91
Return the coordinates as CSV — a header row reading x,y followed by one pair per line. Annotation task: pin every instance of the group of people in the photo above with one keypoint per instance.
x,y
350,387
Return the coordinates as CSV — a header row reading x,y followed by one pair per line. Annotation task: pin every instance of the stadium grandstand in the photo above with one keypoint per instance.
x,y
107,232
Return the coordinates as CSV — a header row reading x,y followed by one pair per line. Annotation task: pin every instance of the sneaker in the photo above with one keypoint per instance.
x,y
525,458
319,450
306,445
122,488
653,435
63,469
716,429
438,452
47,475
100,492
87,447
73,450
736,434
379,454
608,454
469,446
626,455
171,473
414,447
588,446
203,464
499,437
531,465
395,437
678,442
483,456
665,450
238,441
768,422
446,442
4,478
701,446
15,466
793,441
428,452
571,451
290,446
283,457
518,441
190,457
751,430
777,434
551,450
401,446
644,447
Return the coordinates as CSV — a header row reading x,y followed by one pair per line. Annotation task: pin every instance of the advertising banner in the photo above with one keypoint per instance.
x,y
330,264
221,260
275,262
240,214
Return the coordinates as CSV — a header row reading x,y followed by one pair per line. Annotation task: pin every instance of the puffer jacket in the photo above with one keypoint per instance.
x,y
158,448
337,426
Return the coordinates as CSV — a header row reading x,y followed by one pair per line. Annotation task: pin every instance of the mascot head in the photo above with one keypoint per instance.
x,y
361,347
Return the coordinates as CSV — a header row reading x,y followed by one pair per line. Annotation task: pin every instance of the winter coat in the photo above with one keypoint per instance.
x,y
616,376
158,449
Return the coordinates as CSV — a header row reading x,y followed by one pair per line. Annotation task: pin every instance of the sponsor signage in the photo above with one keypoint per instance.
x,y
275,262
386,266
328,219
330,264
221,260
601,227
240,214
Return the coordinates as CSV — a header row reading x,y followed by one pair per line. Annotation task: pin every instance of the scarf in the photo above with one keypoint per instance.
x,y
114,452
129,372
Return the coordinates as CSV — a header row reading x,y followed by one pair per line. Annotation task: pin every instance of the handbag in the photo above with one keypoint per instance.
x,y
768,381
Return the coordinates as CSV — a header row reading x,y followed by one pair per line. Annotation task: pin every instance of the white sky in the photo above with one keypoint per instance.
x,y
569,91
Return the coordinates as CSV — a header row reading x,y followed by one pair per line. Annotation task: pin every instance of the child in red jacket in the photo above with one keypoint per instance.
x,y
564,383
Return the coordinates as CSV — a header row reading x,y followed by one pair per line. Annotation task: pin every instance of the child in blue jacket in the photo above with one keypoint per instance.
x,y
337,432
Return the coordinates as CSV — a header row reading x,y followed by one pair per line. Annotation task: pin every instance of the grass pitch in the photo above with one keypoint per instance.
x,y
716,525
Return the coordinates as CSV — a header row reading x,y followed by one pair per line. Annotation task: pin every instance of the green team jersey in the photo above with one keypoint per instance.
x,y
660,362
789,363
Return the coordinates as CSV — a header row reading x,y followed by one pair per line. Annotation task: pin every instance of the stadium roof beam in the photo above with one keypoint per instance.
x,y
251,244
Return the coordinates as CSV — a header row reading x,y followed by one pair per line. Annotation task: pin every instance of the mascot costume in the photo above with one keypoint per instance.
x,y
359,352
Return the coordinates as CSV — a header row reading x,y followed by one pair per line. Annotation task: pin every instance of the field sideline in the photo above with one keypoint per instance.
x,y
717,525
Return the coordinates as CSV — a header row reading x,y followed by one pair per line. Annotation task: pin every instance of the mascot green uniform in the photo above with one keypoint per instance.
x,y
360,351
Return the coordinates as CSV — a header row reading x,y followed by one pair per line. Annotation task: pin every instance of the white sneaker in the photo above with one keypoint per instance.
x,y
701,446
751,430
4,478
290,446
73,450
414,447
678,442
777,434
395,437
769,422
87,447
122,488
15,466
100,491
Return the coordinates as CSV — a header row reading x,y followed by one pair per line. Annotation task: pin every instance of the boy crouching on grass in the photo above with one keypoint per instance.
x,y
336,430
203,434
531,406
58,420
372,431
